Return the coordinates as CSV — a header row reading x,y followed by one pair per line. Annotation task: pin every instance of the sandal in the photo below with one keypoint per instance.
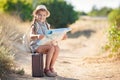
x,y
53,71
49,73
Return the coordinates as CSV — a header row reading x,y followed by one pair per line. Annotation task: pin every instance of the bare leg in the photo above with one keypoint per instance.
x,y
54,57
49,57
49,50
49,54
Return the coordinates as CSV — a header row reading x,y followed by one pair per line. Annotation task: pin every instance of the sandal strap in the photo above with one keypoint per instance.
x,y
46,70
52,70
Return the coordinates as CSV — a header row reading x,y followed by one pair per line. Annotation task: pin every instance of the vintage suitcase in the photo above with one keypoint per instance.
x,y
37,65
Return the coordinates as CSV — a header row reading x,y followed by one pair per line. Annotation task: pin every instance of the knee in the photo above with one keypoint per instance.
x,y
52,48
57,48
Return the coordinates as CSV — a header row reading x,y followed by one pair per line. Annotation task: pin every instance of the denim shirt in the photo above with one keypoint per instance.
x,y
40,29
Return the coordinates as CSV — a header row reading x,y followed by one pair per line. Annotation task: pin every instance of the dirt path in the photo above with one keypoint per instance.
x,y
77,59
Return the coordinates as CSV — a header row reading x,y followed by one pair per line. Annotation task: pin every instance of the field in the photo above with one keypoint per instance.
x,y
81,56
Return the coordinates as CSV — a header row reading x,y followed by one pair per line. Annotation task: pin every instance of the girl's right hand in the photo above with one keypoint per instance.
x,y
40,37
54,42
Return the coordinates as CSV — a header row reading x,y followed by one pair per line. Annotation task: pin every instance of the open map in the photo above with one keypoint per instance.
x,y
53,34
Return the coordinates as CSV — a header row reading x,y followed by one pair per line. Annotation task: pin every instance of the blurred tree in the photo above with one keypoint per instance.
x,y
62,14
34,3
104,11
20,8
93,12
82,13
114,16
2,2
100,12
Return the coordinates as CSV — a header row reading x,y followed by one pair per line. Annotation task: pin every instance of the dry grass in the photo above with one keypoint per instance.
x,y
9,34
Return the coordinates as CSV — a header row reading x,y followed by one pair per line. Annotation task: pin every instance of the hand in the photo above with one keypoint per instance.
x,y
40,36
54,42
64,37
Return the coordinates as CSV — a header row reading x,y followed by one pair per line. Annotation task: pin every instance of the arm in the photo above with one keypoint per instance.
x,y
64,37
34,35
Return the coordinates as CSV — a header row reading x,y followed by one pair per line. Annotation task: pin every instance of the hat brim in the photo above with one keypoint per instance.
x,y
35,12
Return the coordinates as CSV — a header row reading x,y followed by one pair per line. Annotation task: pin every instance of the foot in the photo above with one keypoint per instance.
x,y
49,73
53,71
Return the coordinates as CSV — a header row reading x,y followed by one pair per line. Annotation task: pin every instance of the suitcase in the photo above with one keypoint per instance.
x,y
37,65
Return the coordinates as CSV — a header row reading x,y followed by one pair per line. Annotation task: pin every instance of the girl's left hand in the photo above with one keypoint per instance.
x,y
64,37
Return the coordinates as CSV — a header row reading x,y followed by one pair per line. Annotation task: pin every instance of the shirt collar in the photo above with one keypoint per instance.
x,y
41,23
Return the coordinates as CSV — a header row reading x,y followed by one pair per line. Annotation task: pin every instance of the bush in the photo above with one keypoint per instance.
x,y
6,61
6,57
62,14
114,39
114,32
8,35
100,12
20,8
114,16
20,71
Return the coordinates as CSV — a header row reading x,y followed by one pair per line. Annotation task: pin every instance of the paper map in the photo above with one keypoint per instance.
x,y
53,34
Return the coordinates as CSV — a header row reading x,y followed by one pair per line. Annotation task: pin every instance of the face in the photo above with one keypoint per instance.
x,y
41,16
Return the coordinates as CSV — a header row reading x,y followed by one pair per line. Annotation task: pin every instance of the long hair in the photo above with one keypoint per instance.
x,y
33,21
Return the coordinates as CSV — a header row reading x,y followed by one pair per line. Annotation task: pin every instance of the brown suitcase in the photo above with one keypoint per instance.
x,y
37,65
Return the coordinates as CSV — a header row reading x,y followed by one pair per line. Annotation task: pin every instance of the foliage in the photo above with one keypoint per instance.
x,y
2,2
20,71
6,61
114,32
6,58
114,17
8,35
100,12
93,11
20,8
62,14
114,39
82,13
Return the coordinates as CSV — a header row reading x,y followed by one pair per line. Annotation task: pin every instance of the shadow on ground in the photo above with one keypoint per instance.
x,y
59,78
86,33
28,77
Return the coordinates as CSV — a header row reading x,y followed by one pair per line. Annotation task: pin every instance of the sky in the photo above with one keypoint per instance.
x,y
86,5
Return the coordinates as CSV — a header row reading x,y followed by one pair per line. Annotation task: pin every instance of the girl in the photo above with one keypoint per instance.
x,y
39,26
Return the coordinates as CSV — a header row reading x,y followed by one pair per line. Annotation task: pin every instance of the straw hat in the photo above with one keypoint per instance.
x,y
41,7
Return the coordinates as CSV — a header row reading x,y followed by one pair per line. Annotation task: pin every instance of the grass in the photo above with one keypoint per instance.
x,y
20,71
6,61
9,34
